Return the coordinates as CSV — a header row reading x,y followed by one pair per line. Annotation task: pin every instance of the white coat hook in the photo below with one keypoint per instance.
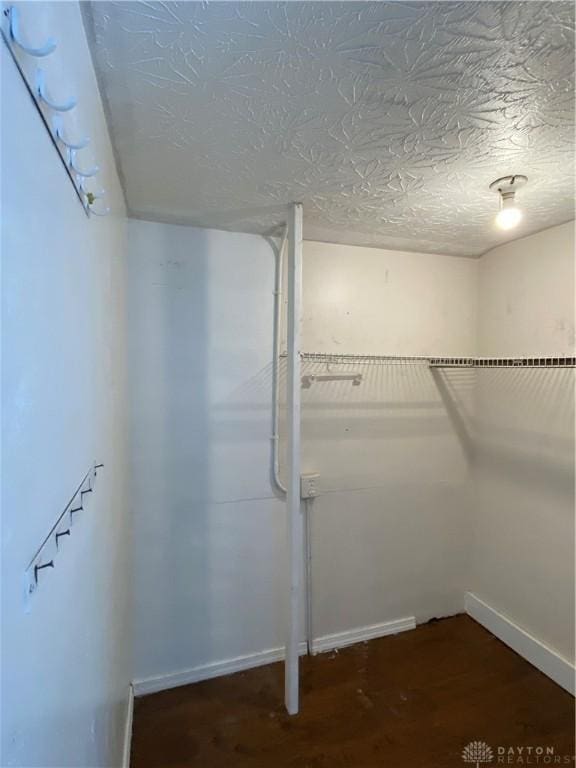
x,y
44,50
94,212
61,136
43,96
84,174
90,196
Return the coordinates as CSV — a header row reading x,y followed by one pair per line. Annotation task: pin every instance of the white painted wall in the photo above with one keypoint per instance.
x,y
526,296
66,663
523,536
374,301
389,530
390,527
209,531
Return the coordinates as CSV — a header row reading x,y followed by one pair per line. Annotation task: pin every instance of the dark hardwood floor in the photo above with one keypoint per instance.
x,y
412,700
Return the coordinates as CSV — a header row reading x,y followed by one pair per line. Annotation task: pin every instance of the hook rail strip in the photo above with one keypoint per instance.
x,y
443,362
49,110
46,553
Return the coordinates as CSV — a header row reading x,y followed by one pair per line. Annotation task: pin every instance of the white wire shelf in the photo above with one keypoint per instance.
x,y
440,362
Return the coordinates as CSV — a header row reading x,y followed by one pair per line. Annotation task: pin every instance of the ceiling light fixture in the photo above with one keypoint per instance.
x,y
509,214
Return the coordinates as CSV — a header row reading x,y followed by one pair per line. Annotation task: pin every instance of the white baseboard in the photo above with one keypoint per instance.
x,y
530,648
240,663
128,729
361,634
207,671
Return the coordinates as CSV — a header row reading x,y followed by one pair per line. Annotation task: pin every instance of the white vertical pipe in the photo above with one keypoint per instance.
x,y
278,275
295,541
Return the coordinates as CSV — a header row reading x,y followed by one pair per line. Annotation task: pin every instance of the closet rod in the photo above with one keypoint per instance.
x,y
443,362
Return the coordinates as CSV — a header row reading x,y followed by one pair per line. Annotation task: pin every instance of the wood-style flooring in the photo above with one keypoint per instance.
x,y
412,700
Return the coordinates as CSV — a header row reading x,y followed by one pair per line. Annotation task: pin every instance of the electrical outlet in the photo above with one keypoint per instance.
x,y
309,485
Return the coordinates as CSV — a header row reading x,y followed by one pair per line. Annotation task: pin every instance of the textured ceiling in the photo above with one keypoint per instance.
x,y
388,120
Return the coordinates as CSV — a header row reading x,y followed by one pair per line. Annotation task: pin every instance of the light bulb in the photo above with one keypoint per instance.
x,y
508,217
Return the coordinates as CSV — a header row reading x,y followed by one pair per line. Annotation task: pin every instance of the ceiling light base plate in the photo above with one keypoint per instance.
x,y
507,184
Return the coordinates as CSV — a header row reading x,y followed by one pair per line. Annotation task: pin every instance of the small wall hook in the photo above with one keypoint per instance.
x,y
76,509
44,50
43,96
61,136
78,171
62,533
40,567
91,198
94,212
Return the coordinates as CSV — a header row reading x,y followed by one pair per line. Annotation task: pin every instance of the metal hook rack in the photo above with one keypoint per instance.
x,y
50,110
48,550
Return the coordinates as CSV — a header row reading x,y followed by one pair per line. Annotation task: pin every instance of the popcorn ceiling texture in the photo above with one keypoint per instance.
x,y
388,120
